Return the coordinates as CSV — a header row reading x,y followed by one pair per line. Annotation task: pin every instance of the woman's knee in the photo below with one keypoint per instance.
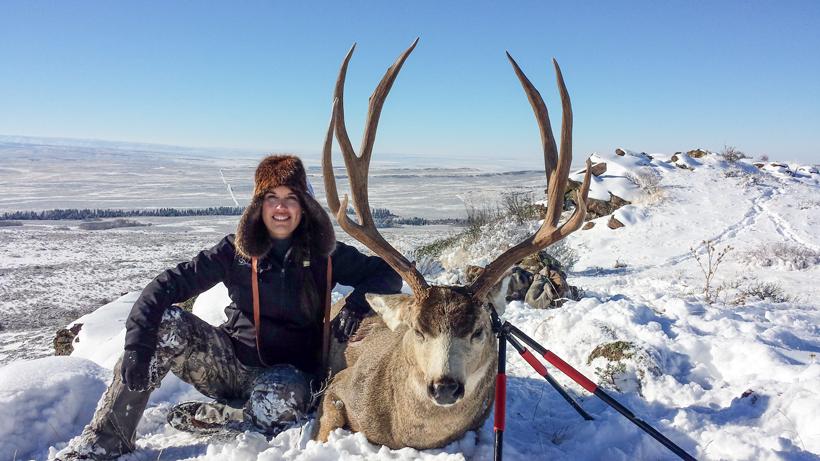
x,y
173,333
280,396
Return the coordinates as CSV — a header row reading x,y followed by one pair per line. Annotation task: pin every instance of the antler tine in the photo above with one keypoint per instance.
x,y
329,177
558,177
357,170
577,219
548,233
542,116
339,101
377,101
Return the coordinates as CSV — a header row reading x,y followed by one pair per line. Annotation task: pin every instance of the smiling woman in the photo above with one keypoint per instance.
x,y
281,212
265,362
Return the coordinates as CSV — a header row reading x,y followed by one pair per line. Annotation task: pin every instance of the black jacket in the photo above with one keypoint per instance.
x,y
291,319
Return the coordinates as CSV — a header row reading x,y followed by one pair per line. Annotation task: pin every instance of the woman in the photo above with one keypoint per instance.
x,y
264,358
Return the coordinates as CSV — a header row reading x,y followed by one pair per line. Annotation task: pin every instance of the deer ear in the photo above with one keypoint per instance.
x,y
394,309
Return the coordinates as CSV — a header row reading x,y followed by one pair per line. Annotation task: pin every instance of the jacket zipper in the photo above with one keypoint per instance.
x,y
282,271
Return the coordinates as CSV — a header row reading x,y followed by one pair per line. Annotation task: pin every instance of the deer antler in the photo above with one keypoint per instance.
x,y
556,167
358,168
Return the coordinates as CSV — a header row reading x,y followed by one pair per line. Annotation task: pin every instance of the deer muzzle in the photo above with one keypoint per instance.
x,y
445,391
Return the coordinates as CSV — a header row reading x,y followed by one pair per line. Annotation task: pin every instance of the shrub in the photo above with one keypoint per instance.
x,y
565,254
790,256
520,206
427,265
436,247
648,180
805,204
709,266
771,291
188,304
732,154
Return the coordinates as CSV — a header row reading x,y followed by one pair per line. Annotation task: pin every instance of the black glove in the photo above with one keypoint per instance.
x,y
136,365
346,323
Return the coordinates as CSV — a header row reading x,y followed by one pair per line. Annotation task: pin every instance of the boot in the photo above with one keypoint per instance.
x,y
205,417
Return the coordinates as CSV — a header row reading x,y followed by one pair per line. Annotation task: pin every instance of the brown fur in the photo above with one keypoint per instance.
x,y
279,170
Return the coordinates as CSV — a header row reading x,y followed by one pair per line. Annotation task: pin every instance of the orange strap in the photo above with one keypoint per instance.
x,y
326,323
256,316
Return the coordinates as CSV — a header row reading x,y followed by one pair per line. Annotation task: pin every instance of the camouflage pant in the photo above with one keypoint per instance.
x,y
202,355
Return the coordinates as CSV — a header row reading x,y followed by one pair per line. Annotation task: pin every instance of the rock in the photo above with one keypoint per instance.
x,y
548,286
589,225
519,282
614,223
64,339
676,159
550,289
597,170
759,165
536,262
697,153
539,280
620,152
595,208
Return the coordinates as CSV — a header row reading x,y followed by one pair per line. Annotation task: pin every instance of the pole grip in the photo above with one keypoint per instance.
x,y
568,370
499,423
499,420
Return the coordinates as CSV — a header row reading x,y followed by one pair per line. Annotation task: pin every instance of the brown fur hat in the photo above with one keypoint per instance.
x,y
280,170
315,232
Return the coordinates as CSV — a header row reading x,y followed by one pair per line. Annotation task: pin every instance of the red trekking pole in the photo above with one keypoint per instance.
x,y
511,332
508,332
500,395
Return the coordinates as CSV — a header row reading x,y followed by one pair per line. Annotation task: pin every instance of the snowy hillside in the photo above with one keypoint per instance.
x,y
736,378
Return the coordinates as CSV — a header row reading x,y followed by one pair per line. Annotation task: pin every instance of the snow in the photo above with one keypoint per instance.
x,y
737,379
46,401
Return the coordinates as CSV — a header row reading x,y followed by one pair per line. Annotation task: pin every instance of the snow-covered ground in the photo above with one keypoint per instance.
x,y
737,378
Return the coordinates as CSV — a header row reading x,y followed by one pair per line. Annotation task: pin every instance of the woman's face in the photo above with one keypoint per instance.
x,y
281,212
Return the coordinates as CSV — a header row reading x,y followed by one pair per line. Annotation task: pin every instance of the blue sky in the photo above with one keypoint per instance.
x,y
656,76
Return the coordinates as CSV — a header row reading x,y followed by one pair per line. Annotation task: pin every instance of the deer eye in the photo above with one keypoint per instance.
x,y
478,334
419,334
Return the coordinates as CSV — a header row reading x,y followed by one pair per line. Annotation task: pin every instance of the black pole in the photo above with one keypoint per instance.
x,y
500,396
541,370
643,425
585,382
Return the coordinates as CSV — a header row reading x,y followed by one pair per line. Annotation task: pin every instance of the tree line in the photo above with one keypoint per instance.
x,y
98,213
382,216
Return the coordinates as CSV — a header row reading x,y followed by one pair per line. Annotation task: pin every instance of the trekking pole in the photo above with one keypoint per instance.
x,y
535,364
542,370
590,386
500,393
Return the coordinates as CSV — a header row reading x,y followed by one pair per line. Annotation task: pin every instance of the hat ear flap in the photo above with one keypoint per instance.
x,y
323,238
252,239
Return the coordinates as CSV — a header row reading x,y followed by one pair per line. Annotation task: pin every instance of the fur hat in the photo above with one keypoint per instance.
x,y
315,231
280,170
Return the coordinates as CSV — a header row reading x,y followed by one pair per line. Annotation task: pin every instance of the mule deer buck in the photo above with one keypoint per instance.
x,y
423,373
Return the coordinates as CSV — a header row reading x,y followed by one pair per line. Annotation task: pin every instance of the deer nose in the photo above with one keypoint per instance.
x,y
446,391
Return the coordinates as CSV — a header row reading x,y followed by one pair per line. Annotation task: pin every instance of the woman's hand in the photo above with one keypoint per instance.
x,y
135,369
346,323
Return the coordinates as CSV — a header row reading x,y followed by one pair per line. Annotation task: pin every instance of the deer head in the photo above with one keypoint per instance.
x,y
446,330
